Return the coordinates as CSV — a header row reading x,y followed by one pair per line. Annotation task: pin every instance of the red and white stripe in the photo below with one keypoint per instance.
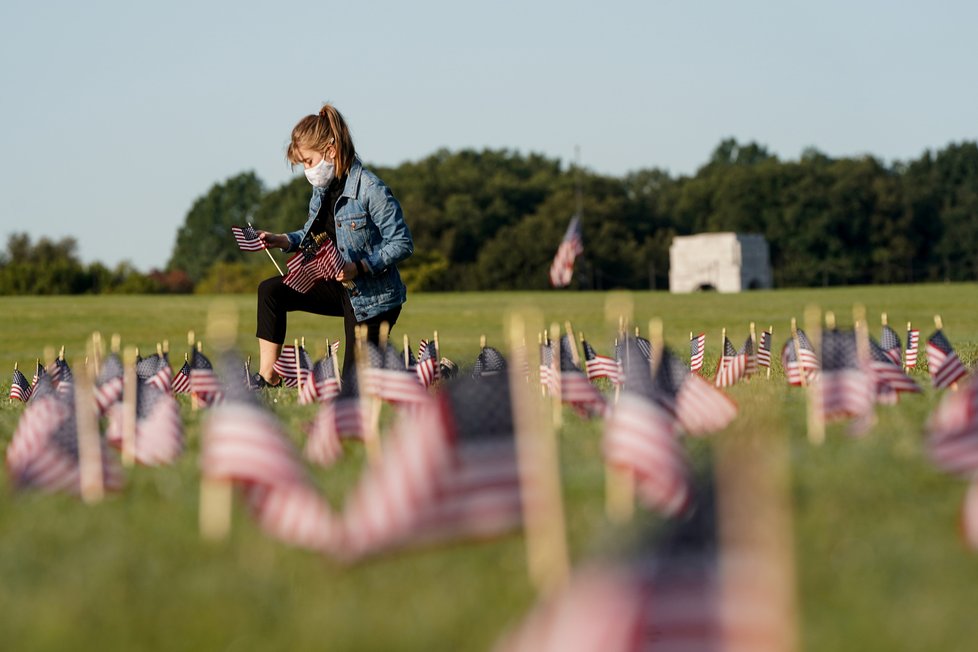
x,y
952,431
913,343
697,350
701,408
159,434
731,369
945,368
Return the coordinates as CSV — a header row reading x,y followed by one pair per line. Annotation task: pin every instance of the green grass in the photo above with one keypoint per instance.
x,y
880,563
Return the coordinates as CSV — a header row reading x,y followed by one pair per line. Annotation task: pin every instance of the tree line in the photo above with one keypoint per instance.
x,y
492,220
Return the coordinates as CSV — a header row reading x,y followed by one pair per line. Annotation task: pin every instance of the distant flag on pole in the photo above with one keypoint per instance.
x,y
562,268
247,238
20,387
910,355
697,347
943,363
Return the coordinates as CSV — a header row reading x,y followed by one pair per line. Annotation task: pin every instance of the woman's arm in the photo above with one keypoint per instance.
x,y
396,241
274,239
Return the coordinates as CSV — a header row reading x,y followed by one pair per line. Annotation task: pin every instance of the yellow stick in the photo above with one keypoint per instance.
x,y
816,417
557,390
129,389
89,446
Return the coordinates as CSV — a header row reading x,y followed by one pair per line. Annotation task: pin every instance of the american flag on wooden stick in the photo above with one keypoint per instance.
x,y
324,383
20,387
489,362
844,388
155,370
159,429
562,268
385,377
285,366
39,372
942,362
889,377
750,358
548,376
913,342
952,431
247,238
600,366
244,443
699,407
204,383
575,388
108,386
732,366
448,473
641,435
697,349
43,453
428,369
890,344
181,381
764,347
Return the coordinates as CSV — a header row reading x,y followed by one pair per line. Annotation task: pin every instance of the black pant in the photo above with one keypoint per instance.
x,y
275,300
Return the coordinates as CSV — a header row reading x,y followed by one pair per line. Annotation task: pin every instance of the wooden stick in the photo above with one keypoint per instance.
x,y
298,367
938,322
129,389
575,356
770,330
883,318
797,341
753,344
816,416
536,445
117,342
270,257
214,516
89,444
862,346
906,369
371,438
407,352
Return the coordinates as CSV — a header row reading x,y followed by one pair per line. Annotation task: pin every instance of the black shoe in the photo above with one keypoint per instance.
x,y
257,381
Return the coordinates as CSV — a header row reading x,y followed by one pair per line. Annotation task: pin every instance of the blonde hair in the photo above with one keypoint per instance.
x,y
317,132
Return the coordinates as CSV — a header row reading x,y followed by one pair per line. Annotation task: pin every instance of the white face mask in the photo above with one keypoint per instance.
x,y
321,174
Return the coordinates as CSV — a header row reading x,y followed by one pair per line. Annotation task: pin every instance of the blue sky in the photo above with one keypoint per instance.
x,y
115,116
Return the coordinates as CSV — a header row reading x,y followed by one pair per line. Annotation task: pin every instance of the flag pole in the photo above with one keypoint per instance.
x,y
906,367
557,393
619,482
770,353
89,445
407,351
298,367
539,471
862,348
129,389
816,417
270,257
371,439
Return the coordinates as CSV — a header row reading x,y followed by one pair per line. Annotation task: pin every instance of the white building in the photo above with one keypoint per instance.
x,y
725,262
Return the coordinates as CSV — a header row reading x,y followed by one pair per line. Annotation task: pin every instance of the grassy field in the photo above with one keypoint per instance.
x,y
880,562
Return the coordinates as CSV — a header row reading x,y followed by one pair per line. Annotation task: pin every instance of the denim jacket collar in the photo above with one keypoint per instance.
x,y
353,178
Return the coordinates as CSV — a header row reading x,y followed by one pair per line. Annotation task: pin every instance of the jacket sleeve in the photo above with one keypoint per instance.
x,y
396,241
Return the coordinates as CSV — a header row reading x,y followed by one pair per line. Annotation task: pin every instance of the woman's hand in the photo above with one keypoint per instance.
x,y
348,273
279,240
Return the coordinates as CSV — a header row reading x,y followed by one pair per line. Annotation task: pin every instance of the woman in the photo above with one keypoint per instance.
x,y
354,209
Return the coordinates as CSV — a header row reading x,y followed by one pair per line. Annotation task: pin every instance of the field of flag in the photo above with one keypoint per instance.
x,y
885,553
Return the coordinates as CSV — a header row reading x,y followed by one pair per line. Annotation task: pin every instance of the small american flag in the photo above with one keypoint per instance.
x,y
890,379
952,431
155,370
428,369
747,350
732,366
385,377
247,238
61,375
600,366
844,389
448,472
324,384
159,429
764,350
575,388
244,443
43,453
286,368
181,381
204,383
697,348
943,363
562,268
489,362
890,343
640,435
20,387
910,355
108,386
39,372
548,376
307,267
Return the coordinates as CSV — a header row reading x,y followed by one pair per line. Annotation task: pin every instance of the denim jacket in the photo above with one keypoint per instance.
x,y
370,228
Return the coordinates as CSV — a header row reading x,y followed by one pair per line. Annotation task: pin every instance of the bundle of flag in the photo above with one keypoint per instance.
x,y
159,430
244,443
448,472
427,368
20,387
562,268
43,452
913,342
599,366
640,436
844,388
697,348
308,266
247,238
732,366
942,362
